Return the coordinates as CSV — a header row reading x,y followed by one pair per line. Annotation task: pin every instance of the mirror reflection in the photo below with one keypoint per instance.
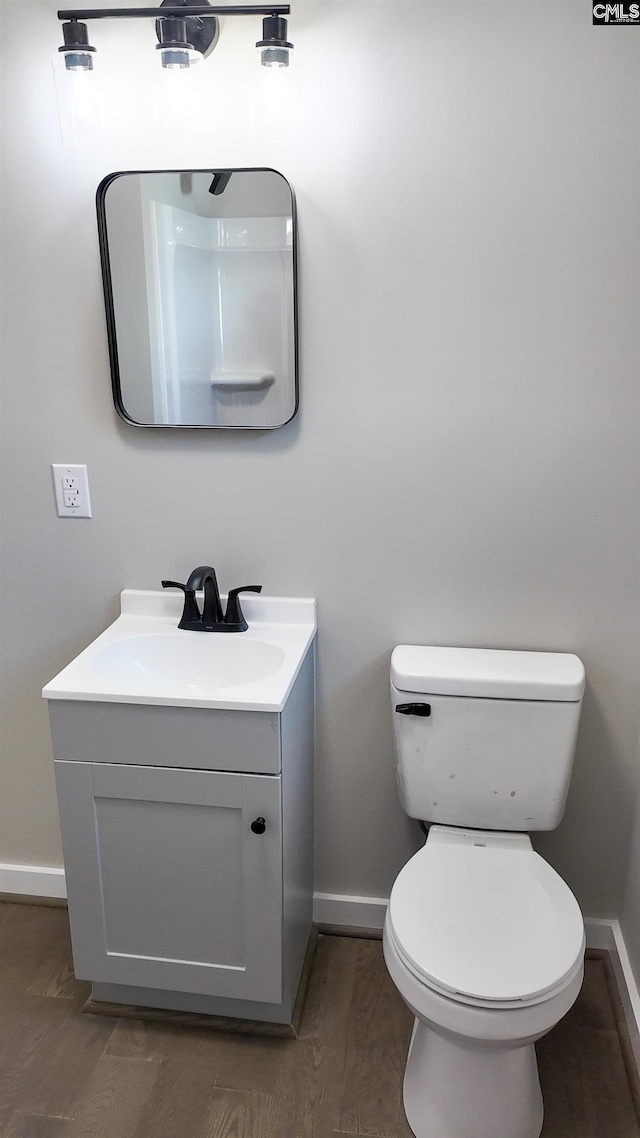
x,y
199,280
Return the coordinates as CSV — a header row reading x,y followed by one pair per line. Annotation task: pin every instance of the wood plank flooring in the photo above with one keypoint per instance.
x,y
68,1075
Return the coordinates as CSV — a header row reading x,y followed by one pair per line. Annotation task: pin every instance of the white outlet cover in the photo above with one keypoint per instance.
x,y
62,473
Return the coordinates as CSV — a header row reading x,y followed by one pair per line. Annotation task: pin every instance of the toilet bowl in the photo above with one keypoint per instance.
x,y
485,943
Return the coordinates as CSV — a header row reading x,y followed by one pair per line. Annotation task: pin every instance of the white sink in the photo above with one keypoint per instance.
x,y
143,657
195,660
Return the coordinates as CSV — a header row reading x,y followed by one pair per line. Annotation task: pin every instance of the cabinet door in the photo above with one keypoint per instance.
x,y
168,886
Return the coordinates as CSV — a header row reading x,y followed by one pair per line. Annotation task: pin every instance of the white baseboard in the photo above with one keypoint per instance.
x,y
349,912
32,881
342,910
608,934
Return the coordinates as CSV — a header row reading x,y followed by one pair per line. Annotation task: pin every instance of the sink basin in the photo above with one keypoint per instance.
x,y
197,661
143,657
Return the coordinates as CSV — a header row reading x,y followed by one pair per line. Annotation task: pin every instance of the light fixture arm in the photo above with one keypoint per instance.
x,y
175,10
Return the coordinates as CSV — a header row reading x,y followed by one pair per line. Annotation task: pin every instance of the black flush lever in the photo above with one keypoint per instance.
x,y
423,709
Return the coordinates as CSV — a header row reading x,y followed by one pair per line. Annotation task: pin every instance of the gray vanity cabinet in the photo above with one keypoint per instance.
x,y
174,900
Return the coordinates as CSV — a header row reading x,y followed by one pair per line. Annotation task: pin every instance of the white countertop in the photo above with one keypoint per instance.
x,y
123,665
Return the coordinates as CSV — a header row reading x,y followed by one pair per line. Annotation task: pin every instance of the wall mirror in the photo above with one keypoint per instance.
x,y
198,269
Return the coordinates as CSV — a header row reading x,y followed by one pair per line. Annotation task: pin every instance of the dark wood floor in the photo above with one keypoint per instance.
x,y
69,1075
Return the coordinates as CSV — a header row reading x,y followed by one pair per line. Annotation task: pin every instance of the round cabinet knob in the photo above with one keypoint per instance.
x,y
259,826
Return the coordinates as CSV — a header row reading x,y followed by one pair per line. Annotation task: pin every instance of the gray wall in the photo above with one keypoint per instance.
x,y
630,908
464,466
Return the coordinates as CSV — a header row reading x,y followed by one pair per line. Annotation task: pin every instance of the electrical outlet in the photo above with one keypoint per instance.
x,y
72,490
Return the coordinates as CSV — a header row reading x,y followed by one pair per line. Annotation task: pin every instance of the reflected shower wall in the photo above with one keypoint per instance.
x,y
220,300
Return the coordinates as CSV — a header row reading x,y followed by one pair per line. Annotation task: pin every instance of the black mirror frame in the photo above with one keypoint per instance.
x,y
107,286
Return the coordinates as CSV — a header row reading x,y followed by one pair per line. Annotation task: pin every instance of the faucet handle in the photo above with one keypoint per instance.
x,y
234,615
190,612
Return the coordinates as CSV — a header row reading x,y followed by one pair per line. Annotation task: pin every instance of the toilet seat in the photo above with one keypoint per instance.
x,y
482,919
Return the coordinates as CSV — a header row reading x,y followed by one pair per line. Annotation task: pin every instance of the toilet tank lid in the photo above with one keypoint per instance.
x,y
487,672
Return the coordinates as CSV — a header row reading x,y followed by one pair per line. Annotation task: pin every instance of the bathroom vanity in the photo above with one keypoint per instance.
x,y
184,770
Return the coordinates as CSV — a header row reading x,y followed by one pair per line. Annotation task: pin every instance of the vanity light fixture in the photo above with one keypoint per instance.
x,y
187,31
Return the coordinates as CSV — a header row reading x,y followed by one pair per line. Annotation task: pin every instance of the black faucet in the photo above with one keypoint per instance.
x,y
211,618
204,577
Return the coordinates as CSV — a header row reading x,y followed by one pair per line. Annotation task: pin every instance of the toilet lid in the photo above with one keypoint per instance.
x,y
483,922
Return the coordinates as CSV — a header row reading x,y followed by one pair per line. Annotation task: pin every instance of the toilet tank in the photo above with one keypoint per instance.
x,y
485,737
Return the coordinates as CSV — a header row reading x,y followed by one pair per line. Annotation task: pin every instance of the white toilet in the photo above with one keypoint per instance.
x,y
482,938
